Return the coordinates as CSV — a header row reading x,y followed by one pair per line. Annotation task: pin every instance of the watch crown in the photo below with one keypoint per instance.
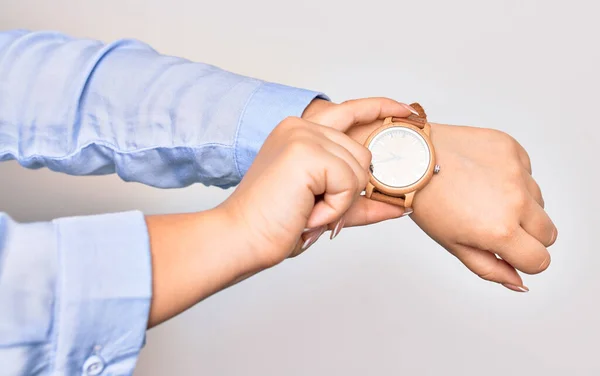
x,y
436,169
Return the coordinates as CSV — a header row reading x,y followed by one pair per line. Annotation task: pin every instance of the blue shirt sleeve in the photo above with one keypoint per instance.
x,y
83,107
74,295
75,292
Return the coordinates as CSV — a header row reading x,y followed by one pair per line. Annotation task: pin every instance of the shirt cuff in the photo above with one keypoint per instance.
x,y
104,293
266,108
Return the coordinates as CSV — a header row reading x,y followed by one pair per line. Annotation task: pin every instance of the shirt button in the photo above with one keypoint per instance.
x,y
93,365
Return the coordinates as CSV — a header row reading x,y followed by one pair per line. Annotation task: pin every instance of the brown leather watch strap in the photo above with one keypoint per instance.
x,y
418,121
387,199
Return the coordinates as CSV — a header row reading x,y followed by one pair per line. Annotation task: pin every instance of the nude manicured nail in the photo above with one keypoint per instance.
x,y
407,212
415,112
309,229
312,237
338,227
516,288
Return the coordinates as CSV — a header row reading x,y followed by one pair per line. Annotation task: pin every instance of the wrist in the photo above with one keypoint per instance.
x,y
245,237
237,243
194,256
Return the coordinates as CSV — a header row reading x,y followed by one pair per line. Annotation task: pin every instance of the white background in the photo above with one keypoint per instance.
x,y
383,300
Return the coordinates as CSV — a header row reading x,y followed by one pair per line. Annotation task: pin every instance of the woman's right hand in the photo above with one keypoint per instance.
x,y
306,177
308,174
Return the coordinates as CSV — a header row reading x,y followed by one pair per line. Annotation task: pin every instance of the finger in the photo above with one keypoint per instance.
x,y
338,183
360,171
365,212
360,111
538,224
522,251
360,152
524,157
307,239
533,188
489,267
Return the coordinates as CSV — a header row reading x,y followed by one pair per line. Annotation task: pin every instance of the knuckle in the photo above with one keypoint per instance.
x,y
361,188
290,121
514,171
519,200
288,124
536,189
526,157
503,233
348,109
515,191
507,140
507,144
356,185
487,274
365,157
542,202
364,180
298,147
494,134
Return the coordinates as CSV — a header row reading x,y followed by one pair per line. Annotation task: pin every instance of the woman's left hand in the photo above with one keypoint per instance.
x,y
484,203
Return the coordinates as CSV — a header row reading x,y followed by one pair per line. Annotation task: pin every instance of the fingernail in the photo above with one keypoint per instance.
x,y
313,237
515,287
338,227
407,212
309,229
410,109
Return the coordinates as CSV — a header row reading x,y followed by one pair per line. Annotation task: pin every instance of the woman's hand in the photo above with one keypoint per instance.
x,y
307,177
486,203
363,211
483,203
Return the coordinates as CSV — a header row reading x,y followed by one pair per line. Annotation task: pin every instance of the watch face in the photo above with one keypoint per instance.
x,y
401,157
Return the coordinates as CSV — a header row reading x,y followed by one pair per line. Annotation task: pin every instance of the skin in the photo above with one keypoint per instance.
x,y
485,208
308,177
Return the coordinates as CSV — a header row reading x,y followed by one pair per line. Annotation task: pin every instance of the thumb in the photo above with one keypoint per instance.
x,y
360,111
489,267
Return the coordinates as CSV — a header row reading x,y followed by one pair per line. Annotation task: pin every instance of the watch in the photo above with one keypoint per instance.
x,y
403,159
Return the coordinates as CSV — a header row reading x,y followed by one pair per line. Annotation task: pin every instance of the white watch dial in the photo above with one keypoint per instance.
x,y
400,157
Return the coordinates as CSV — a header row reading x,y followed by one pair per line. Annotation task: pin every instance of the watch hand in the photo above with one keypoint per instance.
x,y
384,160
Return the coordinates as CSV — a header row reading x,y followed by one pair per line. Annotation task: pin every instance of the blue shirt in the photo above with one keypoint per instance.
x,y
75,292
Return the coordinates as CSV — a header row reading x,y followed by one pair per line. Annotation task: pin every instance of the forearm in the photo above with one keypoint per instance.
x,y
194,256
84,107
